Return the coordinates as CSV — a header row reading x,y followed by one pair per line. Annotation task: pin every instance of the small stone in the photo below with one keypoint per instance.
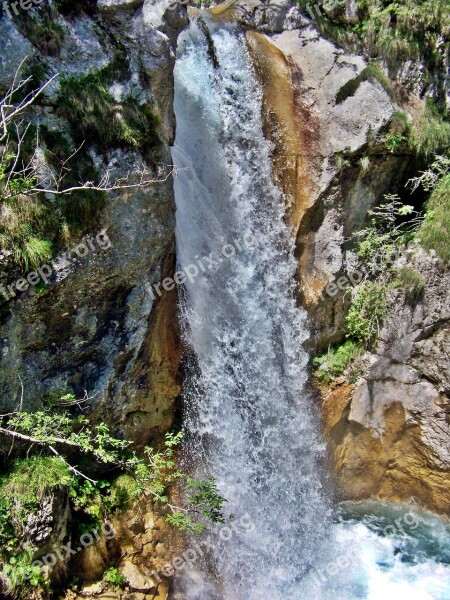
x,y
93,589
135,578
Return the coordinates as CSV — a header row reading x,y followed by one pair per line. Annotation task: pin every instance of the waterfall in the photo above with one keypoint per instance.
x,y
248,419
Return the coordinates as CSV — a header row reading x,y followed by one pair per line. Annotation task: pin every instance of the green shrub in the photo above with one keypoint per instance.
x,y
90,498
413,284
367,312
101,499
336,360
154,472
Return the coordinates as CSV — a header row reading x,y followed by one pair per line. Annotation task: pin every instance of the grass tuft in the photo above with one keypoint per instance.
x,y
365,163
25,221
32,478
124,491
372,72
434,232
41,28
97,118
336,360
430,134
413,284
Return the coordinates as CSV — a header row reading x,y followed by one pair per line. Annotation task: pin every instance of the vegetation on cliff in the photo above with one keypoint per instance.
x,y
394,32
50,190
50,443
336,360
434,232
392,227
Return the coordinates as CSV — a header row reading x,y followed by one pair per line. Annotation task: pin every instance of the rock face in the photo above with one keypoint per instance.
x,y
319,139
389,433
137,541
96,328
48,530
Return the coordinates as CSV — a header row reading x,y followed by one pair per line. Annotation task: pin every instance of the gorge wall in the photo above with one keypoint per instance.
x,y
388,431
96,328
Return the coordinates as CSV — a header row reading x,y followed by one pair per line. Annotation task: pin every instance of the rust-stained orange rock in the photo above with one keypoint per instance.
x,y
289,124
150,413
396,466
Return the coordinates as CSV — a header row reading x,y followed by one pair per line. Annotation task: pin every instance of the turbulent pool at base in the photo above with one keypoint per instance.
x,y
249,420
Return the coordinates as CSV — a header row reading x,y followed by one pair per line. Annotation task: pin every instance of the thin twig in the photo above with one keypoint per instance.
x,y
73,469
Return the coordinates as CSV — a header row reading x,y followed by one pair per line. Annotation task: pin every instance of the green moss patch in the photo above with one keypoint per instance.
x,y
96,118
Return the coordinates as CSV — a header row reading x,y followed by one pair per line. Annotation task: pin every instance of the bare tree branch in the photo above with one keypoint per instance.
x,y
70,467
37,172
104,185
9,111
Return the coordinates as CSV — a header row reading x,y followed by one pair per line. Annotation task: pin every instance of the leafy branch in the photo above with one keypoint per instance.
x,y
154,472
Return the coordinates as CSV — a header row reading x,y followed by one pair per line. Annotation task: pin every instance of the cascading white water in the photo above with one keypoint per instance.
x,y
248,419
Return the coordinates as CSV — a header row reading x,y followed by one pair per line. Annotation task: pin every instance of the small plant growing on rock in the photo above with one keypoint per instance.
x,y
394,141
342,162
367,312
392,223
412,283
115,578
336,360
